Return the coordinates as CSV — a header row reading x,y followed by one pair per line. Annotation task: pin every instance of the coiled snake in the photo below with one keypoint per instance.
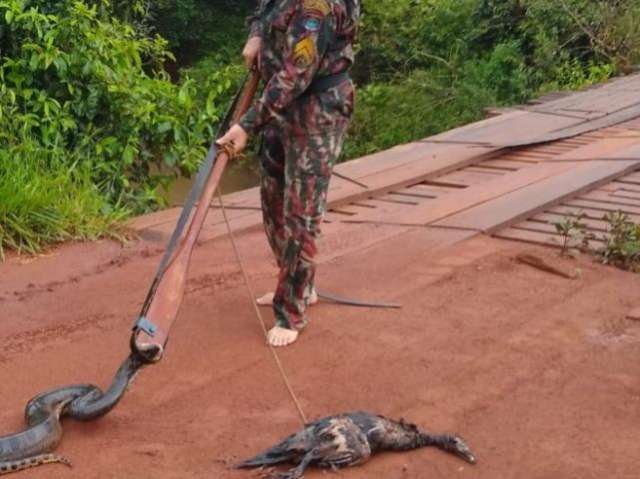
x,y
84,402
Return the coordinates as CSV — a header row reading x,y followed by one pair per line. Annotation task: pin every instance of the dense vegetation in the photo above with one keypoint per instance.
x,y
102,103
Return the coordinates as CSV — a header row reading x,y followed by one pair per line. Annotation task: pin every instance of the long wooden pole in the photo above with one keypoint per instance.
x,y
167,298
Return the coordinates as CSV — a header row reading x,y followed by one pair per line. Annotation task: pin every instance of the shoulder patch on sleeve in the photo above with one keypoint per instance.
x,y
312,24
319,7
304,52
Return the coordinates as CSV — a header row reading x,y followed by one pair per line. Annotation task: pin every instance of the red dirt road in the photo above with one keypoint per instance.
x,y
539,373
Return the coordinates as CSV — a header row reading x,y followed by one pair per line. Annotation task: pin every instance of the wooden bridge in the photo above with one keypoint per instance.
x,y
538,372
511,176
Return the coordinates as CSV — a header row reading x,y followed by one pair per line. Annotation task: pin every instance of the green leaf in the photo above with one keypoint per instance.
x,y
164,127
33,63
183,96
128,155
48,60
170,159
61,65
211,106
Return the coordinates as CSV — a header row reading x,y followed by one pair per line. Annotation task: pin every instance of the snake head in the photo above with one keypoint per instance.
x,y
456,445
145,353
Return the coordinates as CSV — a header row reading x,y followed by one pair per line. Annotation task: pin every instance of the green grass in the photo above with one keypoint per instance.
x,y
87,93
44,205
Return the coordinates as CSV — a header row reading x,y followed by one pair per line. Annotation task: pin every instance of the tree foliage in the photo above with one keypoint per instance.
x,y
83,92
199,28
86,89
424,66
103,102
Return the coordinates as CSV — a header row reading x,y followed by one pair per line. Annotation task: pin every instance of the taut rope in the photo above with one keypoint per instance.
x,y
252,299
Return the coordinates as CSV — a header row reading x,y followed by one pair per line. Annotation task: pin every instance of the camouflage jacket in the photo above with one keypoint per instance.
x,y
301,40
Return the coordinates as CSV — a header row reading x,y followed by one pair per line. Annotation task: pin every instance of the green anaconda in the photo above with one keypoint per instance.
x,y
84,402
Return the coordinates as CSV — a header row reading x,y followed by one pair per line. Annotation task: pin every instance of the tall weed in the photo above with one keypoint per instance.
x,y
47,203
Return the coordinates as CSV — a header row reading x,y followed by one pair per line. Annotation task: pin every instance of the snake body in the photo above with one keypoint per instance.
x,y
83,402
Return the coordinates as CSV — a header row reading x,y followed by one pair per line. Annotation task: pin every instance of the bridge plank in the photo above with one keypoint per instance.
x,y
511,208
440,208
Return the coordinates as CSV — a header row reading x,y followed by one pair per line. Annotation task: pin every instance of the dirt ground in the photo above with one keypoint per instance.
x,y
540,374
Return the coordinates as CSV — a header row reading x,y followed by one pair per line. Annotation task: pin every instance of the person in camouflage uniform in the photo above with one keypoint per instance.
x,y
304,50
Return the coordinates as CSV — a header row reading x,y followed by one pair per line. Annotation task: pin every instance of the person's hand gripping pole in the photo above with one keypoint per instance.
x,y
234,141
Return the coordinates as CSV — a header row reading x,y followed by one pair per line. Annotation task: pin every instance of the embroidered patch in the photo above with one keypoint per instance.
x,y
317,6
312,24
304,53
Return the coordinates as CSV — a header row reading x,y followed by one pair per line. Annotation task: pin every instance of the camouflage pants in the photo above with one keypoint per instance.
x,y
295,172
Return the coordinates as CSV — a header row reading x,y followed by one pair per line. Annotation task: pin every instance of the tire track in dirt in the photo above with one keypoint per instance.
x,y
33,290
36,339
214,282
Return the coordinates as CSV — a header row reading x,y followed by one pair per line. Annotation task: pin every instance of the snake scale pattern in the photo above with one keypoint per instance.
x,y
84,402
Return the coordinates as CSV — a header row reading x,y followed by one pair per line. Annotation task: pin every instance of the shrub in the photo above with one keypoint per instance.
x,y
84,92
200,28
399,36
622,245
90,90
434,100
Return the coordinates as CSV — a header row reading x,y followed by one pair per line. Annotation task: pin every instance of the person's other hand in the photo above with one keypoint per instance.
x,y
251,51
236,138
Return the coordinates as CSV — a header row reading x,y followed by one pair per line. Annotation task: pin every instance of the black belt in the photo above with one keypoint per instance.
x,y
322,84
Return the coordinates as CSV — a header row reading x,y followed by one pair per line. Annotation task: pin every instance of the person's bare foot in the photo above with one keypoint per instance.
x,y
278,336
267,299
